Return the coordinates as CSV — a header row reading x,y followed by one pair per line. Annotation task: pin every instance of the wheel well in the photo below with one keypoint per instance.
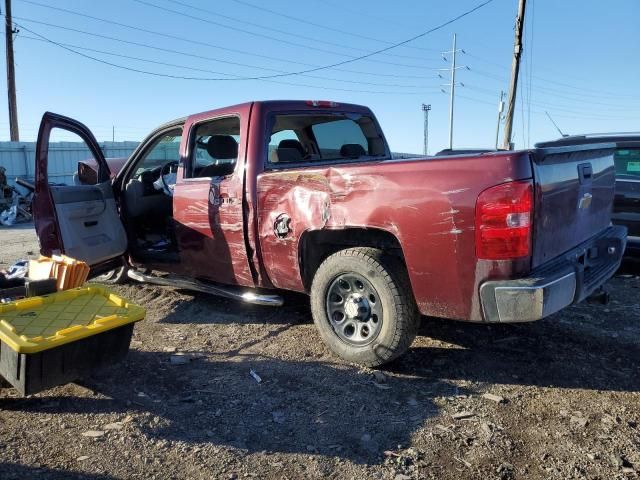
x,y
317,245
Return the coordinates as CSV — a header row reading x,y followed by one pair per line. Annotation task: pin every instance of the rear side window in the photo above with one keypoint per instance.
x,y
320,137
215,148
627,162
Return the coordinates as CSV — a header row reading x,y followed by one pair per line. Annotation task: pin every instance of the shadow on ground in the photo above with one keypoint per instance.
x,y
204,308
314,407
556,352
16,471
300,407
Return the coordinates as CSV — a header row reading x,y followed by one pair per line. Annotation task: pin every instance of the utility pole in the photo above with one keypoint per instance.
x,y
11,73
426,108
500,110
113,133
452,85
453,90
515,69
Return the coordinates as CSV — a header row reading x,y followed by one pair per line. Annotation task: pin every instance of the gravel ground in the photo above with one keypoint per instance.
x,y
555,399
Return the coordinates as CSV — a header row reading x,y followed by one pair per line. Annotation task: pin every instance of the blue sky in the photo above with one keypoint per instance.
x,y
579,63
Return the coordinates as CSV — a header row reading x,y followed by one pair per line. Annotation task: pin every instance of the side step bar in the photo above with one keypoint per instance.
x,y
198,286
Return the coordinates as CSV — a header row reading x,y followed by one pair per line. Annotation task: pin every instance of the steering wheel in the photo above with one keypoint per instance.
x,y
168,177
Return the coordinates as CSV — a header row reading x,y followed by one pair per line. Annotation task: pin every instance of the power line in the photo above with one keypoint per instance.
x,y
308,22
197,42
261,35
71,48
175,12
344,6
579,115
551,107
555,82
561,93
272,29
577,109
186,67
555,103
310,70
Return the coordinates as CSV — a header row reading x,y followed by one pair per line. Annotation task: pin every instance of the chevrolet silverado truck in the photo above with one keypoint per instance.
x,y
262,197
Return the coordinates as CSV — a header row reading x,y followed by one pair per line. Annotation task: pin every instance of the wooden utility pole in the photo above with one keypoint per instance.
x,y
515,69
11,73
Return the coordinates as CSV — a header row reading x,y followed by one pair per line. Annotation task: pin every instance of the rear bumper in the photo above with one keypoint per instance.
x,y
565,280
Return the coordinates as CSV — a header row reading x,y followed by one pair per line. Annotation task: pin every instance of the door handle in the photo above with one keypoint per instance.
x,y
585,172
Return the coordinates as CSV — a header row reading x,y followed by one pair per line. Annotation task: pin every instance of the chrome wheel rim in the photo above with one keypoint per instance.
x,y
354,309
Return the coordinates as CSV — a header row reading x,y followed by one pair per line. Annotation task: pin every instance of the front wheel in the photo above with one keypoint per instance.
x,y
363,306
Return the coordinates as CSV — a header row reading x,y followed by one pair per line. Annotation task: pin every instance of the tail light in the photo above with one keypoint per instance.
x,y
503,221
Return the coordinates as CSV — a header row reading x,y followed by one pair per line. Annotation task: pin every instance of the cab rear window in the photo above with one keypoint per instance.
x,y
627,162
297,138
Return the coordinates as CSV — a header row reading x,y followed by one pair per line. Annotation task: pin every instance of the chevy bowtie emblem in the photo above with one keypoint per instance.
x,y
585,201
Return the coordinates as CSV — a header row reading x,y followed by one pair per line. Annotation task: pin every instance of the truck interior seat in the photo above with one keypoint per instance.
x,y
288,151
224,150
222,147
352,150
140,201
292,143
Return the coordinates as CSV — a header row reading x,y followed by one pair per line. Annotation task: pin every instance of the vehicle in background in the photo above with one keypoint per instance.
x,y
250,199
626,204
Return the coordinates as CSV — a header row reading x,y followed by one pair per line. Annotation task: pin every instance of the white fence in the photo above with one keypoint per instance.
x,y
19,158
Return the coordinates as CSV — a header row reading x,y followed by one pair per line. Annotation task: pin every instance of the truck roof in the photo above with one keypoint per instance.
x,y
289,104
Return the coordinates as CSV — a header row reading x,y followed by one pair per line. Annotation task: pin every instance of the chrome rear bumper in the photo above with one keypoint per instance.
x,y
566,280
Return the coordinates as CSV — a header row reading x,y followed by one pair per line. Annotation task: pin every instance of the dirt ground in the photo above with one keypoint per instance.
x,y
566,405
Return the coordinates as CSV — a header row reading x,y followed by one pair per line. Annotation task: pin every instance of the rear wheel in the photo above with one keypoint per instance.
x,y
363,306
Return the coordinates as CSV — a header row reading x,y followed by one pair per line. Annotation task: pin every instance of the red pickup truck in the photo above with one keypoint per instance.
x,y
254,198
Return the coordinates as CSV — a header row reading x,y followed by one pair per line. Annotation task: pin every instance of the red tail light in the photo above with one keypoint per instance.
x,y
503,221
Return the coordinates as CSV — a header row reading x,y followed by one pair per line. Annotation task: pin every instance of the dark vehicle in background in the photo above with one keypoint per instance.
x,y
626,205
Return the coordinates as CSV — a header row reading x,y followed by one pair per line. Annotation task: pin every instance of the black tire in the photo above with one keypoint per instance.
x,y
117,276
387,279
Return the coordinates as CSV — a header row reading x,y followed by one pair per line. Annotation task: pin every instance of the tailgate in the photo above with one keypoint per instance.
x,y
574,197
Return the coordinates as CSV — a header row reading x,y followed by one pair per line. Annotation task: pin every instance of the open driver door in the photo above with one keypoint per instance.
x,y
81,221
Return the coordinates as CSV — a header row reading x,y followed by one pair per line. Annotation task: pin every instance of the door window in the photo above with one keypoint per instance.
x,y
215,148
71,161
